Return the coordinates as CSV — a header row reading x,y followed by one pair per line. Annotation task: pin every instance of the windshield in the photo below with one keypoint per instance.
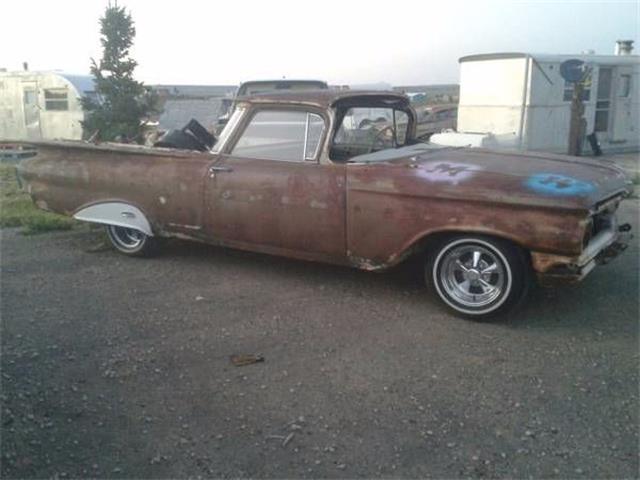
x,y
366,130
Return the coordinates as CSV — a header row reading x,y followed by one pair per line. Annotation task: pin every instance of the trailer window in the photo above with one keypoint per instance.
x,y
56,99
625,85
29,97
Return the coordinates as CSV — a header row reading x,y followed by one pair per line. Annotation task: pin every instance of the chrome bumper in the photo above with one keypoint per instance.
x,y
605,246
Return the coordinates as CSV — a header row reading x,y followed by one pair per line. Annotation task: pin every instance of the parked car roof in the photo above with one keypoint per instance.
x,y
438,107
325,98
321,83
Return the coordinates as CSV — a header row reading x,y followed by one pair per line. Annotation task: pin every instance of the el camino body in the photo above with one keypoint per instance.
x,y
364,203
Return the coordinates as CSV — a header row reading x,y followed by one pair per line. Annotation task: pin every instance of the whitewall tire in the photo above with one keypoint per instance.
x,y
476,276
132,242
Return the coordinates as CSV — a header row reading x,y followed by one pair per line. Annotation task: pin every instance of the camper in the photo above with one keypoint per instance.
x,y
520,101
42,105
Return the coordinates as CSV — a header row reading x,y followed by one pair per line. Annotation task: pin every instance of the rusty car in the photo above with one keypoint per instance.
x,y
435,118
294,174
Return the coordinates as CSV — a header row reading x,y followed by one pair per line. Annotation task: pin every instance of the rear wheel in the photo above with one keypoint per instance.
x,y
478,277
131,241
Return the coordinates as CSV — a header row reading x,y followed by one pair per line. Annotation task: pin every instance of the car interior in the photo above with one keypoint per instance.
x,y
365,130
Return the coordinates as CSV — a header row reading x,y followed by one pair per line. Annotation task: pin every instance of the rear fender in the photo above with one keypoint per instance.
x,y
119,214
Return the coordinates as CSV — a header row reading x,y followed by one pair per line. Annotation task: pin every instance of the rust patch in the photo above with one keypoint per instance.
x,y
366,263
544,262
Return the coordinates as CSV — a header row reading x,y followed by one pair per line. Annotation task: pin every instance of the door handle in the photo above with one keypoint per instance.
x,y
213,169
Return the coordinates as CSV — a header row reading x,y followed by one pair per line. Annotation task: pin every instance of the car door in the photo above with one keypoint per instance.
x,y
268,190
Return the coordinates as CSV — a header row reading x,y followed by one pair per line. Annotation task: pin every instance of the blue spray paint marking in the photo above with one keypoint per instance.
x,y
556,184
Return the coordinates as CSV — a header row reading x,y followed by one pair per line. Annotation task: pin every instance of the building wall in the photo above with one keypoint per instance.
x,y
36,118
547,114
491,101
549,109
177,113
491,96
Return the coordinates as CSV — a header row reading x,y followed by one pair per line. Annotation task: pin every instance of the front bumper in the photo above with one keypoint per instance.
x,y
554,269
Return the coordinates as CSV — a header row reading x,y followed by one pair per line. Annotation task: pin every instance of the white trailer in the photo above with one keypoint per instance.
x,y
520,101
42,105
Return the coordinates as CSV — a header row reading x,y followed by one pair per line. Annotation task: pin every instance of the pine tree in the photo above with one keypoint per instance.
x,y
121,103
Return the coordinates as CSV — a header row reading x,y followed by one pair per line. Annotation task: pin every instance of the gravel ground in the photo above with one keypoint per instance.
x,y
118,367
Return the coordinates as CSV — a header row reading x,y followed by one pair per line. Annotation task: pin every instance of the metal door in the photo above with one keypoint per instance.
x,y
625,115
31,110
269,191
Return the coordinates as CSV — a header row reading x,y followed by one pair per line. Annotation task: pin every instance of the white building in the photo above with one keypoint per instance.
x,y
42,105
522,102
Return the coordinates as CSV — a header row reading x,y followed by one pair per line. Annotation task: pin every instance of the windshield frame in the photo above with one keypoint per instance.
x,y
229,128
342,110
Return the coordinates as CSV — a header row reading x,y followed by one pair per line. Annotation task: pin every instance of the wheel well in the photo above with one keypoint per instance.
x,y
432,240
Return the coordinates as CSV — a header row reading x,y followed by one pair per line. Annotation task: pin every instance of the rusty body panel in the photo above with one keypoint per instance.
x,y
168,188
370,212
465,190
281,208
292,206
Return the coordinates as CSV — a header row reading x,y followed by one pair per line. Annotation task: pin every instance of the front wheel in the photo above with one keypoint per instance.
x,y
132,242
478,277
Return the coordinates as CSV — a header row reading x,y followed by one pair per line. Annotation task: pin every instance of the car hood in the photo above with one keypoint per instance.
x,y
534,179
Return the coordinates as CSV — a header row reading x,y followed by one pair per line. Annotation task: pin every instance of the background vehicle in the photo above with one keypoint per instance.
x,y
254,87
436,118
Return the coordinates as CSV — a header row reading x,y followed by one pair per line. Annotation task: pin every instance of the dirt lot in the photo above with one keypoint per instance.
x,y
117,367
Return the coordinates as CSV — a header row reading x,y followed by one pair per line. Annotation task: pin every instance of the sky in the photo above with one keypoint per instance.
x,y
343,42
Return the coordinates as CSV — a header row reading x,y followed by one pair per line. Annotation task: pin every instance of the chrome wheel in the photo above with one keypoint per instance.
x,y
133,242
126,238
472,276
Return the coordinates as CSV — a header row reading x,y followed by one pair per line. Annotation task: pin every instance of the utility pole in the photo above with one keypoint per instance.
x,y
578,124
575,72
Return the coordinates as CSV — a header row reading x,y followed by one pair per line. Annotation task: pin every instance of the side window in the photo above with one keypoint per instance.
x,y
292,136
29,97
402,122
625,85
315,128
56,99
